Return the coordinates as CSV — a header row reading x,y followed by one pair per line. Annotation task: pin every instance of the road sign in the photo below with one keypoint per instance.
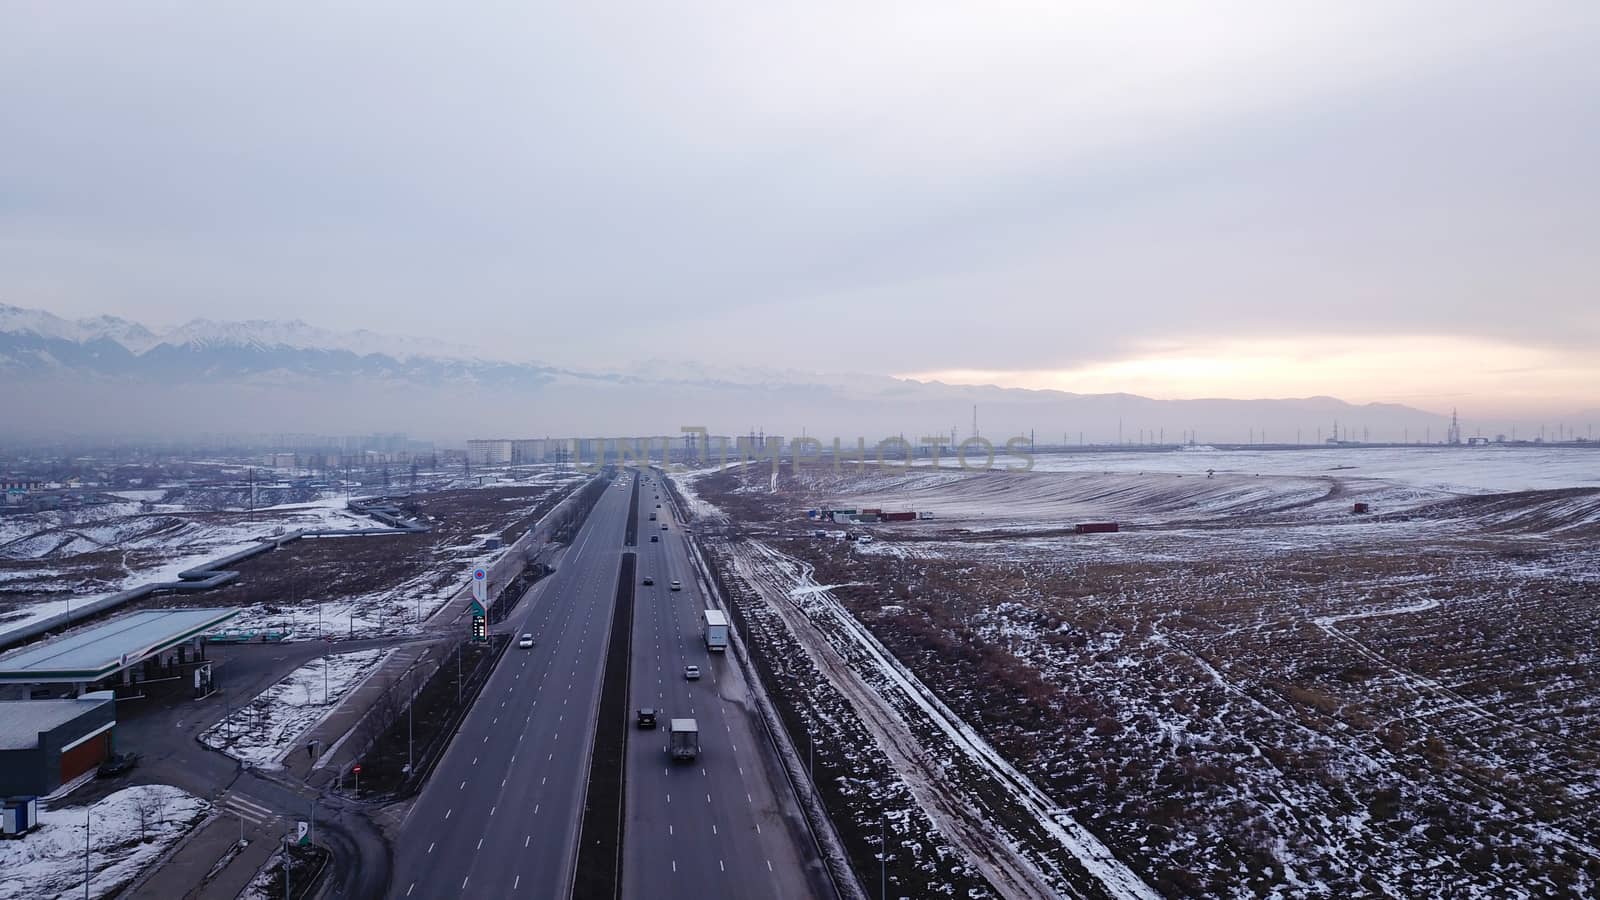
x,y
301,832
480,584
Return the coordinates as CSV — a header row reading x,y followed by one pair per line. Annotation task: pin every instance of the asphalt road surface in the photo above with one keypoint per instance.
x,y
500,815
725,825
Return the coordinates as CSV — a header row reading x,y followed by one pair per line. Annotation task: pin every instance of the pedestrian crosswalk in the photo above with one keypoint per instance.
x,y
248,809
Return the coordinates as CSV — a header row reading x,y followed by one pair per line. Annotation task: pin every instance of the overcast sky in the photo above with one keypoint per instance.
x,y
1380,201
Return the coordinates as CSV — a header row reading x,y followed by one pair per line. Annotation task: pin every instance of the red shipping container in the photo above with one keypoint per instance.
x,y
1096,527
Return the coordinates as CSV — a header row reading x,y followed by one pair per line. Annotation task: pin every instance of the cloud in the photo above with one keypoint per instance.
x,y
1493,378
881,187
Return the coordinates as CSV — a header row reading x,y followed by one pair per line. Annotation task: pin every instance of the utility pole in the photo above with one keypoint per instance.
x,y
883,859
86,850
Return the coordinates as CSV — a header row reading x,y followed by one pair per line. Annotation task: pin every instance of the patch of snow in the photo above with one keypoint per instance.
x,y
48,863
267,729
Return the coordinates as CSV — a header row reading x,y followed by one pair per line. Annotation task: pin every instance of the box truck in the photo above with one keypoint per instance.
x,y
684,741
716,630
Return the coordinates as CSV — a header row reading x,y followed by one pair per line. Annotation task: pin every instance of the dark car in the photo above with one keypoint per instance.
x,y
118,764
655,538
647,718
648,580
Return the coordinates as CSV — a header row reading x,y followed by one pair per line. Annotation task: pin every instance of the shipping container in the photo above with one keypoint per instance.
x,y
899,517
1096,527
1359,508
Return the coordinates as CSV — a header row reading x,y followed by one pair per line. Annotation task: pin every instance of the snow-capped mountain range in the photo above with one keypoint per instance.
x,y
115,374
255,334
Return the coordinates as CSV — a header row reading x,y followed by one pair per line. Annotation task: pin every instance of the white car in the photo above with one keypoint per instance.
x,y
677,585
526,642
691,673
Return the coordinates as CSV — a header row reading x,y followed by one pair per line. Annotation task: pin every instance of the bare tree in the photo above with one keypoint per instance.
x,y
151,806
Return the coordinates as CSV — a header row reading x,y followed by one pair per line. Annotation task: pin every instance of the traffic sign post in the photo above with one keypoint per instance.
x,y
480,604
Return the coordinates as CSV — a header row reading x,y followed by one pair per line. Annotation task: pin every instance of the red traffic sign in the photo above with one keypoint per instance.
x,y
356,769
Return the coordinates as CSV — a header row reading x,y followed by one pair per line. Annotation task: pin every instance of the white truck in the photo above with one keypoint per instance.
x,y
684,740
716,630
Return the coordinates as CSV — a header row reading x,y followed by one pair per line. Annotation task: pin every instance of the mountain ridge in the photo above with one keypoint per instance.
x,y
193,376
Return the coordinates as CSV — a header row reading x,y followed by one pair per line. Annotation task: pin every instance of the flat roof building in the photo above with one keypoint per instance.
x,y
47,743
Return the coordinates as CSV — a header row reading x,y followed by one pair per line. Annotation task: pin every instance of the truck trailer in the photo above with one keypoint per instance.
x,y
684,740
716,630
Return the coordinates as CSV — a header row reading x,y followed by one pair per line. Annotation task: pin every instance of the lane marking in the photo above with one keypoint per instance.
x,y
430,846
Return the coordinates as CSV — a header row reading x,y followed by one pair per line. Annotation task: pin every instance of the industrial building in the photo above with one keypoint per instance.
x,y
47,743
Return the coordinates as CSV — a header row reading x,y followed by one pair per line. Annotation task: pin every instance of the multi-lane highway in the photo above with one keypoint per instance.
x,y
500,815
725,825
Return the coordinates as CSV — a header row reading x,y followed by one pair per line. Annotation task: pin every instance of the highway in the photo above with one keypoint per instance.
x,y
500,815
725,825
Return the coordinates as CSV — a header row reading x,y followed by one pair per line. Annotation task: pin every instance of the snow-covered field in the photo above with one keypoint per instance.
x,y
61,560
127,831
1250,690
1457,469
266,730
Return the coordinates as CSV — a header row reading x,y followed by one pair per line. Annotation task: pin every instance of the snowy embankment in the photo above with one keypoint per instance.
x,y
695,508
264,731
127,831
904,705
163,544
